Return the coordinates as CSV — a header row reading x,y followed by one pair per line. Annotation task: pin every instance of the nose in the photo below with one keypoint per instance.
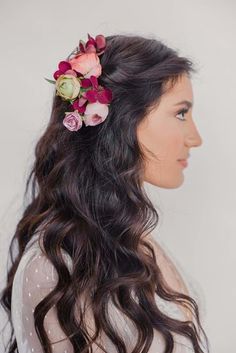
x,y
193,137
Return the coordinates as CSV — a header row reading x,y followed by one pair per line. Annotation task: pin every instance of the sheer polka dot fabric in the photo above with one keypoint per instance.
x,y
36,277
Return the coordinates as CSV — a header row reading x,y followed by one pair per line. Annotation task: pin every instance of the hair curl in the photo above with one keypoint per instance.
x,y
88,185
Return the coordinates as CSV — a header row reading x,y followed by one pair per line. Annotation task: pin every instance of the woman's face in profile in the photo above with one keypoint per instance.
x,y
165,136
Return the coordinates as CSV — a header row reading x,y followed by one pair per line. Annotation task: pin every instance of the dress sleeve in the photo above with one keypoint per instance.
x,y
34,279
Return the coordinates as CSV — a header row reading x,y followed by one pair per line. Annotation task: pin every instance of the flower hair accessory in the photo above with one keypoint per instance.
x,y
77,82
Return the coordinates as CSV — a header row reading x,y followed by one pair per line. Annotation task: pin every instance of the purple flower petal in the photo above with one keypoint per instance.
x,y
91,95
100,42
57,74
90,40
82,46
64,66
85,83
104,96
82,109
94,81
78,103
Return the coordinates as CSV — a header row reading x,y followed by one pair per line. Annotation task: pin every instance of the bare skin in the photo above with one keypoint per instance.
x,y
165,138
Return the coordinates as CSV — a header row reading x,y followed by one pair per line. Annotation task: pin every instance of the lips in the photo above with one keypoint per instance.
x,y
183,162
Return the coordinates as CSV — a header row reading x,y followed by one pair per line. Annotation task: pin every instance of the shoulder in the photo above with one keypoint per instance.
x,y
38,268
34,278
35,270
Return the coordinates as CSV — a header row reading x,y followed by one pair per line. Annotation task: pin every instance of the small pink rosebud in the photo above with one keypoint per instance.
x,y
95,113
72,121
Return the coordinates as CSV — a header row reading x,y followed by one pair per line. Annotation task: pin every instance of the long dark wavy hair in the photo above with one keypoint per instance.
x,y
89,186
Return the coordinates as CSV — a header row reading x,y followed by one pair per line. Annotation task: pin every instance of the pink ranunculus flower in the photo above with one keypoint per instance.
x,y
87,64
95,113
72,121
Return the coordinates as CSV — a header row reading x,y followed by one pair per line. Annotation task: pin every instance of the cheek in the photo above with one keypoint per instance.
x,y
168,144
163,139
174,146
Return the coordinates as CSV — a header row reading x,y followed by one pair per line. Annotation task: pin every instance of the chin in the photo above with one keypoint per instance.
x,y
166,184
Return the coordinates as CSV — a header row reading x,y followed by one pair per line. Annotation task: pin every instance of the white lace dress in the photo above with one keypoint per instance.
x,y
36,277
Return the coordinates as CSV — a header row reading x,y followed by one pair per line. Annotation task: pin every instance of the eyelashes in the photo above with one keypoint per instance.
x,y
182,111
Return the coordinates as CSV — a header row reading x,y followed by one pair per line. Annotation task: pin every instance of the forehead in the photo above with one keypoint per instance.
x,y
182,90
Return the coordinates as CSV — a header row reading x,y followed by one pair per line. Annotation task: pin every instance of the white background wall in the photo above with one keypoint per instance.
x,y
199,216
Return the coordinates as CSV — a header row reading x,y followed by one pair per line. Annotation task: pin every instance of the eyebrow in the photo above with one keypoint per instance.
x,y
188,103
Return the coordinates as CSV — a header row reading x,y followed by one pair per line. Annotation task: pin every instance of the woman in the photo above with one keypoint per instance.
x,y
88,272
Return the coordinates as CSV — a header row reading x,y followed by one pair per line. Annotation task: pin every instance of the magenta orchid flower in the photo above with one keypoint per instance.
x,y
92,45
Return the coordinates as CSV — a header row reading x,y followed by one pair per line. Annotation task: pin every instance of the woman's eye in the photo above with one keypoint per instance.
x,y
183,111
